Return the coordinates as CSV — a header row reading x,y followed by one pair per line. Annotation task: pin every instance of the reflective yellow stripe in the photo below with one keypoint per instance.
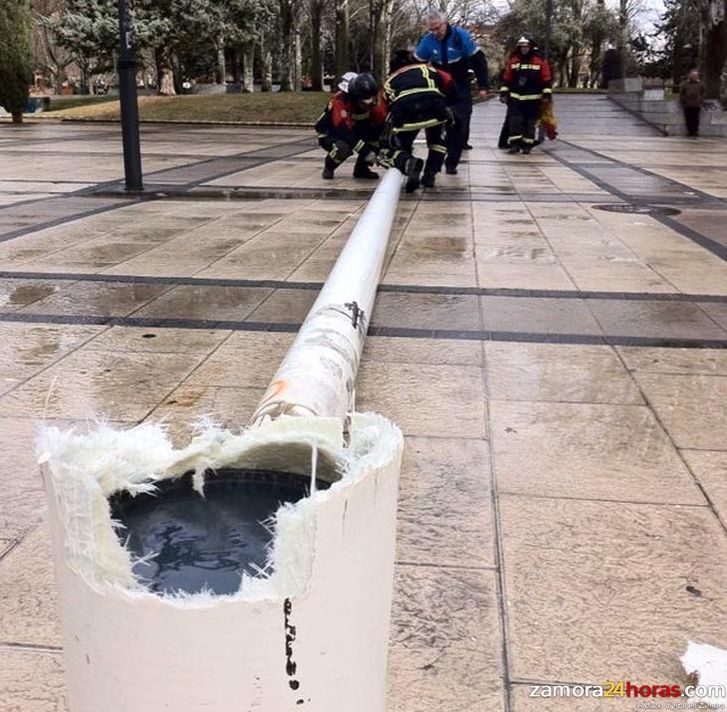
x,y
526,97
530,66
504,90
389,91
418,125
418,90
437,148
514,138
427,77
528,140
359,146
321,135
547,91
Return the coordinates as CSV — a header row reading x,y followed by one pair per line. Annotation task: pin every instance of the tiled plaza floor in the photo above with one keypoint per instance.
x,y
559,372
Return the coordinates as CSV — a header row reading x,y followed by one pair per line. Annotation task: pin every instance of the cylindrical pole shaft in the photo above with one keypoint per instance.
x,y
318,373
129,103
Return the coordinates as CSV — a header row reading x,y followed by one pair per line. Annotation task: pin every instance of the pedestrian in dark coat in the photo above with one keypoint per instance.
x,y
691,95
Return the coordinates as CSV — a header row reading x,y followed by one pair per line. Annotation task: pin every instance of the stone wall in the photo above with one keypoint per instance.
x,y
667,115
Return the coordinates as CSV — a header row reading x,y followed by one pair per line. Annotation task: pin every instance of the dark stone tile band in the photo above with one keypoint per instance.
x,y
442,334
396,288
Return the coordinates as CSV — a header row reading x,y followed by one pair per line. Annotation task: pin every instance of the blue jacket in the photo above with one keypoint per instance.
x,y
456,53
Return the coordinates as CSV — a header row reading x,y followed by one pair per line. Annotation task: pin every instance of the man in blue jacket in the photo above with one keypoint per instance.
x,y
452,49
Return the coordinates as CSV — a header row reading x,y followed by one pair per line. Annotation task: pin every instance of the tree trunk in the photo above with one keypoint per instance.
x,y
316,60
221,64
716,49
267,60
287,54
17,117
236,65
343,64
297,60
248,58
383,54
623,26
165,71
575,66
373,33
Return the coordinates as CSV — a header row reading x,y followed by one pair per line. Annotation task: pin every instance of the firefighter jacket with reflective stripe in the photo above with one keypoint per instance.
x,y
526,77
417,79
343,114
455,53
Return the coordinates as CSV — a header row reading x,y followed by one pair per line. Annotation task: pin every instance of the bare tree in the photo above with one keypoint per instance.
x,y
715,54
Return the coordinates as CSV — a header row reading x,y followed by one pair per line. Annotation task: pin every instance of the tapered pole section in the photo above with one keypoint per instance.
x,y
129,102
318,373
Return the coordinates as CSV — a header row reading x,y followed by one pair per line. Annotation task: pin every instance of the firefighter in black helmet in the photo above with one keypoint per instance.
x,y
352,123
416,97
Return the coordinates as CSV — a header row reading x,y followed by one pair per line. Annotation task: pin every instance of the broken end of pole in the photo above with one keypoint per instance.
x,y
329,573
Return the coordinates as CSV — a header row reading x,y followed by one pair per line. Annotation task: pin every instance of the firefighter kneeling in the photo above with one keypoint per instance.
x,y
415,94
352,123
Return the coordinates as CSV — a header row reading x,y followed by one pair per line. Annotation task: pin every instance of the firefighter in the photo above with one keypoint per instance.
x,y
526,84
352,123
453,50
416,94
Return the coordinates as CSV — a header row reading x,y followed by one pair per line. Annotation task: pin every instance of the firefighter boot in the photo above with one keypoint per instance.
x,y
328,167
362,170
412,171
428,180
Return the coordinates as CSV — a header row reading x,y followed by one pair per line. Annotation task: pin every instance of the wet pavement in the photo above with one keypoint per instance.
x,y
559,371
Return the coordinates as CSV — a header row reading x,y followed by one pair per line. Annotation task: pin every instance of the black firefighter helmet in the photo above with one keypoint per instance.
x,y
401,58
363,88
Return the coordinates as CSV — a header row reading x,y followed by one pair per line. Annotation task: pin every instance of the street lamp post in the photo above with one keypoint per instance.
x,y
129,103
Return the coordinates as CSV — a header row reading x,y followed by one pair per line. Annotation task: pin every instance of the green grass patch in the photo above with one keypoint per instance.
x,y
285,107
62,103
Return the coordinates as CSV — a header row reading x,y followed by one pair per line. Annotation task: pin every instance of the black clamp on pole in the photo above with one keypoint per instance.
x,y
357,314
129,102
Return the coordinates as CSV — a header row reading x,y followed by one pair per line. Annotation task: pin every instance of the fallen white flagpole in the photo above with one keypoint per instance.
x,y
311,632
318,373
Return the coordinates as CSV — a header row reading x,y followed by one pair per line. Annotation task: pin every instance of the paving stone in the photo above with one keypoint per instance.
x,y
606,573
120,386
558,372
32,681
445,646
610,452
538,315
657,319
445,481
691,407
707,362
28,606
710,470
439,401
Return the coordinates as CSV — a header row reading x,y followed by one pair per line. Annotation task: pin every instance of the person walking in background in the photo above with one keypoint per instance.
x,y
453,50
527,82
692,98
352,123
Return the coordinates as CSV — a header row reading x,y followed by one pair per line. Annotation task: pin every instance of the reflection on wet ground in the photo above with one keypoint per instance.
x,y
559,372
